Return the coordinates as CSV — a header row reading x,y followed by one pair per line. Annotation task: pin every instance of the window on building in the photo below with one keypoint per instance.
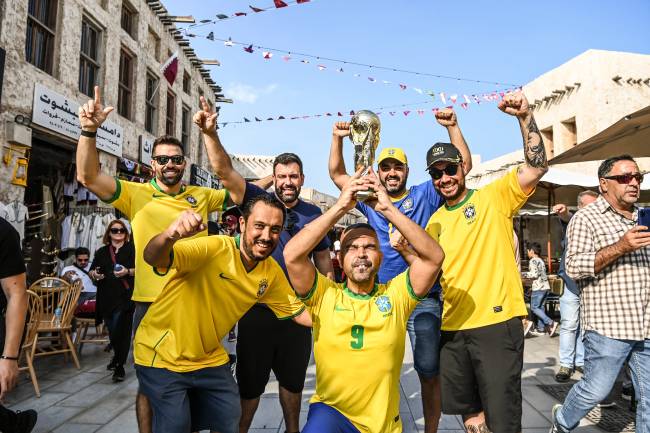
x,y
569,134
129,19
125,86
89,57
185,128
170,119
151,104
41,28
153,44
186,82
547,136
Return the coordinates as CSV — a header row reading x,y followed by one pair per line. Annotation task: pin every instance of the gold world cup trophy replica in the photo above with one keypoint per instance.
x,y
364,133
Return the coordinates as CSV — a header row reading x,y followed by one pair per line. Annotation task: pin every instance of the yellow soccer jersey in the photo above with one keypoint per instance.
x,y
359,349
151,211
480,281
206,296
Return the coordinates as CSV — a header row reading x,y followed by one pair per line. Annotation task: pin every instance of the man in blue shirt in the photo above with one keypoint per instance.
x,y
265,343
418,202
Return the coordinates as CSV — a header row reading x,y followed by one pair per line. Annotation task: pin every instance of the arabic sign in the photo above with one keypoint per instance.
x,y
146,146
58,113
201,177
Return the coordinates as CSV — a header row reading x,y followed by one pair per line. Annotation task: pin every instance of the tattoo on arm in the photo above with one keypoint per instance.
x,y
481,428
534,150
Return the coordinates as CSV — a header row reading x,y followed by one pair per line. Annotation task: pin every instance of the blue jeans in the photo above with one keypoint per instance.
x,y
604,358
537,307
572,351
424,332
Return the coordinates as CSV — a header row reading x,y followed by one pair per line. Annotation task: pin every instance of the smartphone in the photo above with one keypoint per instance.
x,y
644,217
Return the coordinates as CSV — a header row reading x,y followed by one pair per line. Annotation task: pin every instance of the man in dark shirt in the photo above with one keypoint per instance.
x,y
265,343
13,305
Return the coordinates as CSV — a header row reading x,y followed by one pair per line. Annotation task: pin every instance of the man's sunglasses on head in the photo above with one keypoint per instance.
x,y
450,170
164,159
626,178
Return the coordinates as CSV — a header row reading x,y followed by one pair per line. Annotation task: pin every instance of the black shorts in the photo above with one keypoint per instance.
x,y
265,343
480,370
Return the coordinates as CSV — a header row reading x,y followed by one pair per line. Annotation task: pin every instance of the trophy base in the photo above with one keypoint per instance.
x,y
366,195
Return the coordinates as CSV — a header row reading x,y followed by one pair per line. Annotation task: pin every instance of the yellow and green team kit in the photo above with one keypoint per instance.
x,y
359,349
207,294
480,279
151,211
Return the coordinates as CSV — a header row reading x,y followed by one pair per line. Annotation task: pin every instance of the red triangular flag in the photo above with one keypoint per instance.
x,y
279,4
255,9
406,113
351,112
302,1
249,49
240,14
339,114
170,68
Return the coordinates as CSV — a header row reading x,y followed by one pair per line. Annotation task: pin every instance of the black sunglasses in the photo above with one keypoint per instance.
x,y
164,159
116,231
291,221
626,178
450,170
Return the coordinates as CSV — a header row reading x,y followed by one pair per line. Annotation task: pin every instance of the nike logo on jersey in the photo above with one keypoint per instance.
x,y
224,277
339,308
157,195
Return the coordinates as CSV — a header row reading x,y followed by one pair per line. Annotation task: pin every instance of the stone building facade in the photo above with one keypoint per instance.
x,y
56,50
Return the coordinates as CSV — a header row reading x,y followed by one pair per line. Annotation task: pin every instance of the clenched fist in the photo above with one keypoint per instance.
x,y
515,104
92,114
446,117
186,225
341,129
206,118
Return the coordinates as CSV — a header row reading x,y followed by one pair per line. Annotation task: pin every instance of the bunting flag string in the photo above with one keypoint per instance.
x,y
277,4
380,111
321,64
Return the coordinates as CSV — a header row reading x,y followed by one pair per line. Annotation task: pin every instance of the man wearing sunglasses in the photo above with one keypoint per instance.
x,y
265,343
482,334
151,207
418,202
607,256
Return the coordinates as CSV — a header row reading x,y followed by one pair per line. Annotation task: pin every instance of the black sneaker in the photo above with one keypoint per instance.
x,y
563,375
119,374
580,369
627,391
111,365
25,421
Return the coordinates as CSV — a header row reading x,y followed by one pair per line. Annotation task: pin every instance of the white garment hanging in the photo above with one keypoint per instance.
x,y
65,231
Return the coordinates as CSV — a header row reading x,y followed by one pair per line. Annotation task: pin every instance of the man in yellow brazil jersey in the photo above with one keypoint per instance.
x,y
150,207
482,339
216,279
360,325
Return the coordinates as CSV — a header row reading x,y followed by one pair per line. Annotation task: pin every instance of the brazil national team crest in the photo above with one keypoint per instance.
x,y
383,304
407,204
262,287
191,200
470,213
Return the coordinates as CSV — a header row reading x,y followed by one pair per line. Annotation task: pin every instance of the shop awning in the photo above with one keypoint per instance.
x,y
629,135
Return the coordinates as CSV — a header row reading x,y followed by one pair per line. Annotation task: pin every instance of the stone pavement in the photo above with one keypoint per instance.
x,y
86,400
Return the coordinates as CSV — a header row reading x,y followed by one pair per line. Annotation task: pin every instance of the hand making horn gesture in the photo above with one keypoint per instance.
x,y
92,114
446,117
515,104
206,118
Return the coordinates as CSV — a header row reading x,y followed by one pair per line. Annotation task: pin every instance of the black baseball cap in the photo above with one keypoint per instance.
x,y
443,152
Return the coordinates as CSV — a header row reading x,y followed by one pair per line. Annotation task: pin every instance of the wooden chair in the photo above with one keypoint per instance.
x,y
34,313
49,330
49,289
82,337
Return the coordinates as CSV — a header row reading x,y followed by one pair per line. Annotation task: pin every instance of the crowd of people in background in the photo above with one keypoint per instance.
x,y
278,272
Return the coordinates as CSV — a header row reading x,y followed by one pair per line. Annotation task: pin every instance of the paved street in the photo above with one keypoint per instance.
x,y
86,400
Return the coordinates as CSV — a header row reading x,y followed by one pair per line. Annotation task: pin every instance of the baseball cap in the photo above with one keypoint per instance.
x,y
392,152
443,152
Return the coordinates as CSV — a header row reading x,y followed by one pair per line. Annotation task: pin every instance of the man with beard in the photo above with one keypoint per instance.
x,y
265,343
150,207
217,279
360,325
419,202
482,333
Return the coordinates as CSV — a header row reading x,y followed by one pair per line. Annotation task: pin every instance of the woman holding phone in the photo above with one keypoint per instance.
x,y
113,269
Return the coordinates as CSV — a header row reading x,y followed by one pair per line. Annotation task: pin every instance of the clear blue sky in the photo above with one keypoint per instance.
x,y
504,41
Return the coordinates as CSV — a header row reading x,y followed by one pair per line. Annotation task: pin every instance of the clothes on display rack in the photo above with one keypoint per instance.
x,y
84,229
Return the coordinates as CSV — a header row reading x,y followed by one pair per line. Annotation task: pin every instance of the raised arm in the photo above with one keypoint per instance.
x,y
265,182
296,253
447,118
425,265
91,116
206,120
336,166
536,164
158,251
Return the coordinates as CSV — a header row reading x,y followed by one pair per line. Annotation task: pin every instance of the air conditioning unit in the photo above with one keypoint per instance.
x,y
18,134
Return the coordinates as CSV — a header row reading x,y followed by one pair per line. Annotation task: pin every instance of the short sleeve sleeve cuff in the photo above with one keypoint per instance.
x,y
118,191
